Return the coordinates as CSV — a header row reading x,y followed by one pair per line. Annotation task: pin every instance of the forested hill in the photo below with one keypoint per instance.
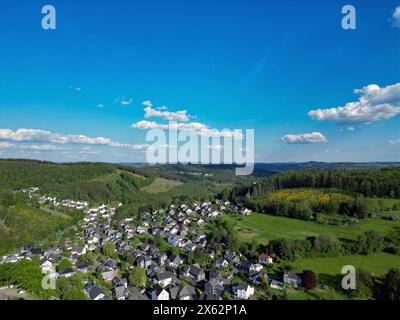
x,y
380,183
83,181
103,182
23,220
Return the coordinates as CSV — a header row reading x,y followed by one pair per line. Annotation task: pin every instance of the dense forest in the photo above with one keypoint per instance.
x,y
369,183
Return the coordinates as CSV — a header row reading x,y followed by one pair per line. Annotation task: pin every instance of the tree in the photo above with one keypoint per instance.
x,y
226,295
223,232
265,282
370,241
74,294
64,264
364,285
109,249
129,258
391,285
138,277
309,279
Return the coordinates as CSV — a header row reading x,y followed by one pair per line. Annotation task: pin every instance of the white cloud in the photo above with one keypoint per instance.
x,y
374,104
43,147
147,103
6,145
126,102
313,137
351,129
166,115
396,17
195,128
396,141
37,135
100,105
179,121
123,101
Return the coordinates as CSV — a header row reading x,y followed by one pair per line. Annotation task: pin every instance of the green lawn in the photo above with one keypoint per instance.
x,y
264,227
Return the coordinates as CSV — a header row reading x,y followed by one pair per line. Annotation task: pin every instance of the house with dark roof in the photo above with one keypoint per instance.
x,y
163,279
195,272
188,292
292,279
159,293
94,292
120,292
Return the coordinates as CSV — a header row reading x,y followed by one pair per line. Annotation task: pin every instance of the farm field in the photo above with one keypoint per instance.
x,y
264,227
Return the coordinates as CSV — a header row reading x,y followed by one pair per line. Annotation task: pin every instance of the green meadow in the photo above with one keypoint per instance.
x,y
264,227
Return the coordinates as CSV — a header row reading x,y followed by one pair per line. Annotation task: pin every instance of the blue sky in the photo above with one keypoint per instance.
x,y
264,65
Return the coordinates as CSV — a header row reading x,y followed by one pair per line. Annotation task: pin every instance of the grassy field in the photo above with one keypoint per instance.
x,y
264,227
376,263
161,185
316,294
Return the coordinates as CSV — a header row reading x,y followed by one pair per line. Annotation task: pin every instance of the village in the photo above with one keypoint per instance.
x,y
159,244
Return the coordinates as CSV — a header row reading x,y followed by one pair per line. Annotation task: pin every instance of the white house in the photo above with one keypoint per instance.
x,y
47,267
163,279
243,291
265,259
159,293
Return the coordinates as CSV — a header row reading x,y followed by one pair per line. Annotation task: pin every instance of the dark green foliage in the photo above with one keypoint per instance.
x,y
222,236
369,242
391,285
324,245
380,183
365,285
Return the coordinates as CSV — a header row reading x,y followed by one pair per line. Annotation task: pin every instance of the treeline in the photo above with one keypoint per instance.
x,y
357,207
369,183
326,245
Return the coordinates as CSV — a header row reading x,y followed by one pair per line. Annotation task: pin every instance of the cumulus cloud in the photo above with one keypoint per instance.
x,y
147,103
195,128
375,103
37,135
166,115
179,121
313,137
396,17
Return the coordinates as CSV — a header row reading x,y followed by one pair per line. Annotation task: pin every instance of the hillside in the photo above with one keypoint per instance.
x,y
138,188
